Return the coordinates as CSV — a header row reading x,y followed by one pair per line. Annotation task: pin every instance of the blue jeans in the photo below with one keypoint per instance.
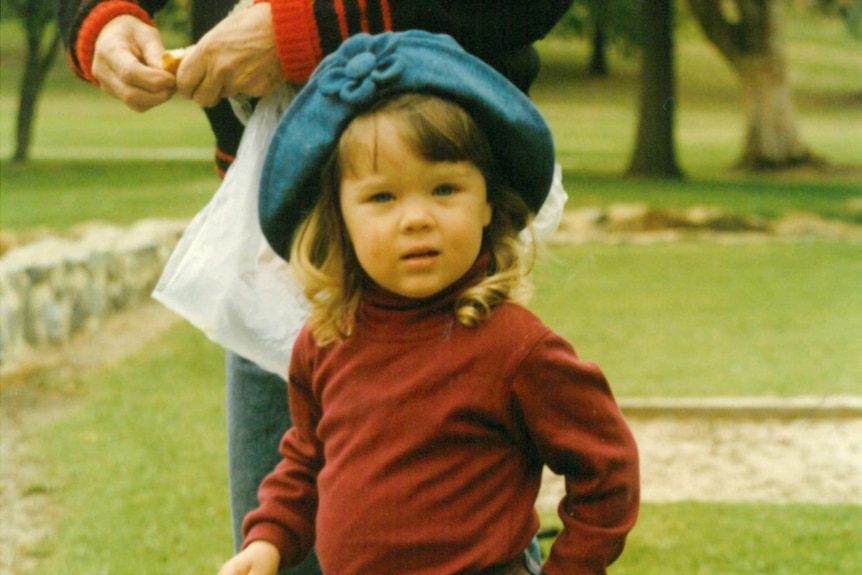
x,y
533,557
257,418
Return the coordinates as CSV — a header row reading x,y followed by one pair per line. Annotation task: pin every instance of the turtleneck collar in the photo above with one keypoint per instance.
x,y
383,314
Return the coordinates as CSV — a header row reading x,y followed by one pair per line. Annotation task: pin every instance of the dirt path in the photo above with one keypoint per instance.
x,y
731,460
708,459
28,513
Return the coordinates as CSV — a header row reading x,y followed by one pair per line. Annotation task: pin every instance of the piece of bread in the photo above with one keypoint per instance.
x,y
172,59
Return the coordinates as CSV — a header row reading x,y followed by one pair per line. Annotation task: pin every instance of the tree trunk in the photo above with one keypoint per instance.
x,y
772,140
36,68
750,39
655,154
599,58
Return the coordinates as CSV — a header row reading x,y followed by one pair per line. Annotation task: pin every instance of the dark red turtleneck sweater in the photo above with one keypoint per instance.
x,y
419,444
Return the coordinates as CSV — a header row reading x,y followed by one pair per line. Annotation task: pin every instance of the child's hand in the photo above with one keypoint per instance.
x,y
259,558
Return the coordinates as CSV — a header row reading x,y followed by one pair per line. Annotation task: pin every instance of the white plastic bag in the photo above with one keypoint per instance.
x,y
223,277
550,214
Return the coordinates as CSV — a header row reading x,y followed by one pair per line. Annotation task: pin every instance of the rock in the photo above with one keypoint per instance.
x,y
715,219
8,240
806,225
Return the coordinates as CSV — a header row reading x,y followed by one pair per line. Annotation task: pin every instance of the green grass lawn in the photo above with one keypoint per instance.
x,y
744,539
140,469
708,319
60,194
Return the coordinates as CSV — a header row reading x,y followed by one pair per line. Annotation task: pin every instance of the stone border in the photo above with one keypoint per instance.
x,y
56,287
641,223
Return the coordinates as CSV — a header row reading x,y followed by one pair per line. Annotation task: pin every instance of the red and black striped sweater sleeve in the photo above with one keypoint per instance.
x,y
308,30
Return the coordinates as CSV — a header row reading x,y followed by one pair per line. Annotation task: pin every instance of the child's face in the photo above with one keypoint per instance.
x,y
415,225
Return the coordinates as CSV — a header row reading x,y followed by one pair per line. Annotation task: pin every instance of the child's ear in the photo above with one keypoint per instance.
x,y
487,215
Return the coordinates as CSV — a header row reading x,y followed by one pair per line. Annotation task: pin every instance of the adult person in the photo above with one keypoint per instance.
x,y
115,45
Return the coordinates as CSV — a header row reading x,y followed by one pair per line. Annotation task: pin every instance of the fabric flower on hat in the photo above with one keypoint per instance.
x,y
367,63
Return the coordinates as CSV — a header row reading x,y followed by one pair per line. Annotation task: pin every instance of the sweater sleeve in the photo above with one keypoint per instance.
x,y
308,30
580,433
288,495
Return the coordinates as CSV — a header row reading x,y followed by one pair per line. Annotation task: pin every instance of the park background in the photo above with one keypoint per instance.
x,y
135,473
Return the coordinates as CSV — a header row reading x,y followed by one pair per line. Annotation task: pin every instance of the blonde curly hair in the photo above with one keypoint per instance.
x,y
322,256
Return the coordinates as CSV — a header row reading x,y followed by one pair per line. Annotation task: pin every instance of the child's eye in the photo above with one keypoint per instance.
x,y
381,197
444,190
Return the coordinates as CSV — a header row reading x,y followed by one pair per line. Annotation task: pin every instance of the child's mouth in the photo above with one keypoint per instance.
x,y
420,256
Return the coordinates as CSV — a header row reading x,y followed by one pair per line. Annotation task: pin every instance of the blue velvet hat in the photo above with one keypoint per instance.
x,y
367,68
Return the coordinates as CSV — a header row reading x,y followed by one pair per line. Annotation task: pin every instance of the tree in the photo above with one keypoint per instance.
x,y
655,153
748,34
37,18
606,23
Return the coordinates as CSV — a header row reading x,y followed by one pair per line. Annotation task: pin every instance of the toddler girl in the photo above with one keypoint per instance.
x,y
426,398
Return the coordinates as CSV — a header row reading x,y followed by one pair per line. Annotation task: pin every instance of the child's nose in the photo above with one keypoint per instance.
x,y
416,215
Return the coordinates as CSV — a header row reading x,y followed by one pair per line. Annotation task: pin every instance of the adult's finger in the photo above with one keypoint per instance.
x,y
197,81
133,83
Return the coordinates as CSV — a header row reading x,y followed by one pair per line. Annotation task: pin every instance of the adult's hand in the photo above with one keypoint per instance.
x,y
238,56
127,63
